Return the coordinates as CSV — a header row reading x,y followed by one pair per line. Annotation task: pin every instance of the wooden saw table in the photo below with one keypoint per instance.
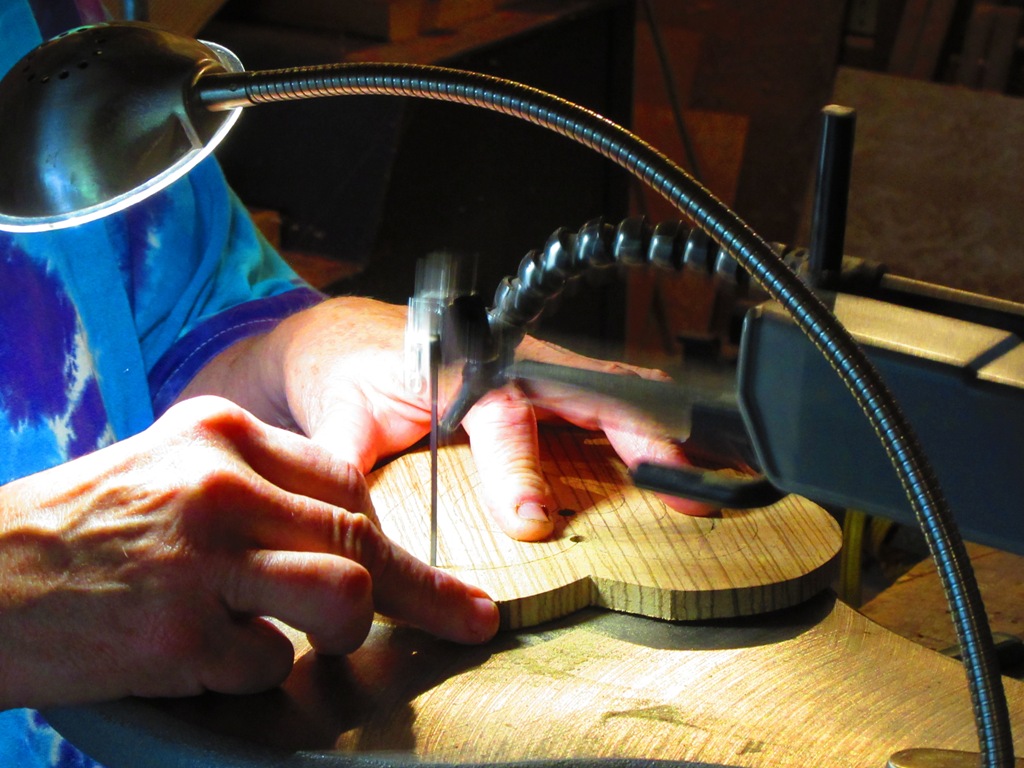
x,y
751,671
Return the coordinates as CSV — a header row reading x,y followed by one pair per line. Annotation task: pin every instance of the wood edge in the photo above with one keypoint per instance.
x,y
683,605
529,611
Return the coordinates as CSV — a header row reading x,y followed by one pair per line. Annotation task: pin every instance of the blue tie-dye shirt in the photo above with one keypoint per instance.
x,y
101,326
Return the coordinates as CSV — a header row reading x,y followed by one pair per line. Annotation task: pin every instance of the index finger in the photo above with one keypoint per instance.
x,y
403,587
408,589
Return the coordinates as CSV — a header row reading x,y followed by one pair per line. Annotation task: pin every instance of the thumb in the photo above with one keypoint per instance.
x,y
350,433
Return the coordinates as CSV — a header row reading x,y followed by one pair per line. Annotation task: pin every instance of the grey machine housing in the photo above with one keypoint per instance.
x,y
960,383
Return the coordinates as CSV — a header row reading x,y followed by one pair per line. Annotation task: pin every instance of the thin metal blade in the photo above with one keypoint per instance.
x,y
435,367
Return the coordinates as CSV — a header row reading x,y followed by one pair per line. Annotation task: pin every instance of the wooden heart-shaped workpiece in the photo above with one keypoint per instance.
x,y
615,546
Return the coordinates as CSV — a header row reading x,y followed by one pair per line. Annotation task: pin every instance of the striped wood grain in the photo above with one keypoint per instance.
x,y
615,546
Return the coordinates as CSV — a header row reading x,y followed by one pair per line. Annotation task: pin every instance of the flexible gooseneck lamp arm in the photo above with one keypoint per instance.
x,y
222,91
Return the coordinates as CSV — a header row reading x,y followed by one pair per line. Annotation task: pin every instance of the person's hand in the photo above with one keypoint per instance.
x,y
503,434
343,368
145,567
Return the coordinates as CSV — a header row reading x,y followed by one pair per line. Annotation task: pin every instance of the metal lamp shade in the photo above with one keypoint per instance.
x,y
100,117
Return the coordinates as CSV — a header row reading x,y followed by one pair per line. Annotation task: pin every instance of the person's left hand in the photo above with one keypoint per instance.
x,y
343,385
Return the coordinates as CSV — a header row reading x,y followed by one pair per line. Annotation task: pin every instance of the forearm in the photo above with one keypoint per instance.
x,y
263,373
238,354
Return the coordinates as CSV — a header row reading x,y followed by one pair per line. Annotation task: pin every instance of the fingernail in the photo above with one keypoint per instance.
x,y
484,619
531,510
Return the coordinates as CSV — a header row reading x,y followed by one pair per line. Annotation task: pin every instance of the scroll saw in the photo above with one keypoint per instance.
x,y
954,359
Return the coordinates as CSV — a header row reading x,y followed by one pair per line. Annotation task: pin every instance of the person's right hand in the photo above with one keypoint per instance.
x,y
145,567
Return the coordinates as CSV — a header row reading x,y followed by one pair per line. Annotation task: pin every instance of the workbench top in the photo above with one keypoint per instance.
x,y
815,683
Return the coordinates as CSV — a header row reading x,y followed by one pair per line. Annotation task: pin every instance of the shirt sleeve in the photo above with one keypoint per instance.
x,y
200,277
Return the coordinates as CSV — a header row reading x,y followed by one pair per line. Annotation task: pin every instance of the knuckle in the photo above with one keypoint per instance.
x,y
355,482
209,419
232,579
357,538
214,482
507,406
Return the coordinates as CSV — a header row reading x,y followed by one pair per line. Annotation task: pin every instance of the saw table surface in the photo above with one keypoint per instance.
x,y
814,683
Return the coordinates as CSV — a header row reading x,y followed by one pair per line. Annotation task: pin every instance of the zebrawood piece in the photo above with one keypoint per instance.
x,y
615,545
